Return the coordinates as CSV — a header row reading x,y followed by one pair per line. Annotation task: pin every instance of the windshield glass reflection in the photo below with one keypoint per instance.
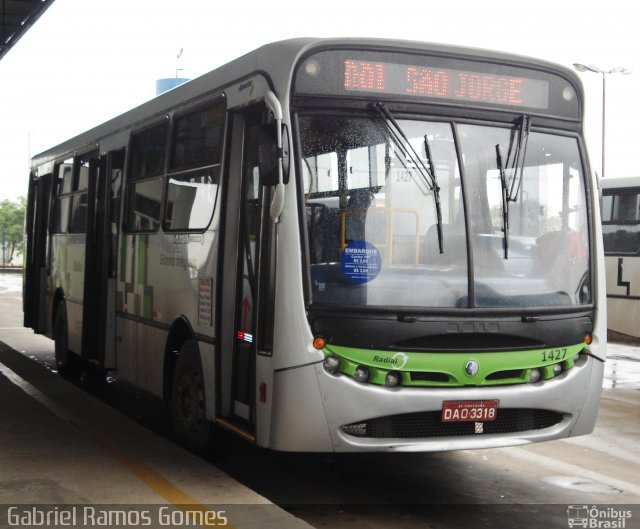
x,y
373,227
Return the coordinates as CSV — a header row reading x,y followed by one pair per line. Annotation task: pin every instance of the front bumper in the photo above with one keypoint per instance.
x,y
314,408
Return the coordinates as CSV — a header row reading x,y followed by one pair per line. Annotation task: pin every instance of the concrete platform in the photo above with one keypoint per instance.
x,y
64,451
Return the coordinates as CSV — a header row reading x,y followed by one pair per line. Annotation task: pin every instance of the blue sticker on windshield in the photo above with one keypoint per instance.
x,y
361,262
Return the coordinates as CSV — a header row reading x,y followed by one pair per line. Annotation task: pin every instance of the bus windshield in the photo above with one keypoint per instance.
x,y
373,226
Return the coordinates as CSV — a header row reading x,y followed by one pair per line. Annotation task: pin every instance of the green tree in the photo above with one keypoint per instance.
x,y
12,227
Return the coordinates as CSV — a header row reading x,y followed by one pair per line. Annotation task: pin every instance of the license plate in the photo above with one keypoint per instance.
x,y
469,410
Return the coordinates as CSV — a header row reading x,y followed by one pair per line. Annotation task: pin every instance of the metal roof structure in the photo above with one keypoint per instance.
x,y
16,17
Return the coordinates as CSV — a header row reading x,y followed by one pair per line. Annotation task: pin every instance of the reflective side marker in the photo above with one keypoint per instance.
x,y
244,336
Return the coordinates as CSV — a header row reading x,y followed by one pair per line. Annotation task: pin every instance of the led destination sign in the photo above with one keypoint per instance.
x,y
496,83
445,83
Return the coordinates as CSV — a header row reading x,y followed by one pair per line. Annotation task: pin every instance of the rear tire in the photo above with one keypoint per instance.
x,y
188,405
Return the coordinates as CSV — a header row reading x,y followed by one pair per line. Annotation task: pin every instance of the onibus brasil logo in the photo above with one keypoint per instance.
x,y
597,517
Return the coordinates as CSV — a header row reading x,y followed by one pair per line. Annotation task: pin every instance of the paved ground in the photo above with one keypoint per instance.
x,y
61,449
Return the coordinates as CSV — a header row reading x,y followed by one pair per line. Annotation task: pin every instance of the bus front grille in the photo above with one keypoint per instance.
x,y
421,425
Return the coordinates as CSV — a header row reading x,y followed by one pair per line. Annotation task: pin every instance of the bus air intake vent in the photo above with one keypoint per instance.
x,y
420,376
505,375
424,425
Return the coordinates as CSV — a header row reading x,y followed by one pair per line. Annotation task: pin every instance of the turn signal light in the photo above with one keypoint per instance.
x,y
319,343
588,339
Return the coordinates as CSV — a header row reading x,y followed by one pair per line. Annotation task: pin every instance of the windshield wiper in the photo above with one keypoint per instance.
x,y
518,158
436,191
505,201
515,162
428,174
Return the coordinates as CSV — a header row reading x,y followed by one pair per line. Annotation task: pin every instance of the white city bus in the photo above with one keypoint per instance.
x,y
621,233
335,245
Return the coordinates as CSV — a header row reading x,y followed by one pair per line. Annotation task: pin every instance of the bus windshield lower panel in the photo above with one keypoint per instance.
x,y
514,233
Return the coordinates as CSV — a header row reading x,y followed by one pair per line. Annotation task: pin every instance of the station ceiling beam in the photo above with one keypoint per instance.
x,y
16,17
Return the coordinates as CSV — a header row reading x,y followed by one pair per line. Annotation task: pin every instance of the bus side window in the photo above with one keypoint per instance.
x,y
621,223
62,188
194,168
78,213
607,208
626,207
145,204
117,168
145,179
80,187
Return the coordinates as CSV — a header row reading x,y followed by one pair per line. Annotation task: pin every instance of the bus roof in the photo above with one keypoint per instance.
x,y
277,61
620,182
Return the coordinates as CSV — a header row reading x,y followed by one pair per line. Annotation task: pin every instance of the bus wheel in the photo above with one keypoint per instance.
x,y
188,407
66,362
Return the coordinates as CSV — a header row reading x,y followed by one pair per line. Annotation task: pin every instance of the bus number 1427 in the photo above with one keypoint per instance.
x,y
554,354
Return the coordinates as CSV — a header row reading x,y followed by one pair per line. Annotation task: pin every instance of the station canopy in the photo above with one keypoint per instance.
x,y
16,17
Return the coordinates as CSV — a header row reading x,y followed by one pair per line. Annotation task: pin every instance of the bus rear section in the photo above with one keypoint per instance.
x,y
621,233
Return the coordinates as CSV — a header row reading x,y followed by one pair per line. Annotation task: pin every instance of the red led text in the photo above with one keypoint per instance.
x,y
490,88
362,75
464,86
467,86
428,82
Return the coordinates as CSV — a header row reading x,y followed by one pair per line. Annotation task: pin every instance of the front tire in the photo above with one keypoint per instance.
x,y
188,405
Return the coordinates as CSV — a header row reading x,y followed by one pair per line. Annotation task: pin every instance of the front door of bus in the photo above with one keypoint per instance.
x,y
244,271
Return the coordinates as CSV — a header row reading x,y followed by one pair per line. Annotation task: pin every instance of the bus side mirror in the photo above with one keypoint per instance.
x,y
286,159
268,159
270,156
272,169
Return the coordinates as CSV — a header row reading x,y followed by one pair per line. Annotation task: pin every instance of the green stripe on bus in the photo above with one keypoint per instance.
x,y
448,369
143,242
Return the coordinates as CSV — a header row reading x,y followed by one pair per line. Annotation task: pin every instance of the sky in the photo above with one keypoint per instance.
x,y
86,61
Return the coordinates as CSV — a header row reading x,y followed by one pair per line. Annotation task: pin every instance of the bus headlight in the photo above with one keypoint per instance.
x,y
557,369
331,364
392,379
361,374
